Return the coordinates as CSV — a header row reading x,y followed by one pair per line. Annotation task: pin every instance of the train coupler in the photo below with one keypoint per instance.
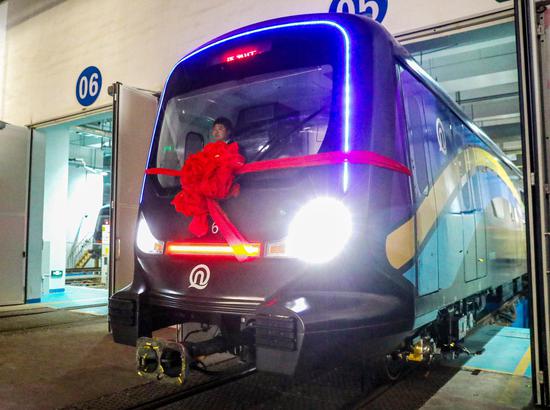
x,y
162,360
423,349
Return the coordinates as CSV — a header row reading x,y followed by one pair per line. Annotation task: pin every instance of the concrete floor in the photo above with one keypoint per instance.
x,y
499,378
73,359
75,296
486,390
48,368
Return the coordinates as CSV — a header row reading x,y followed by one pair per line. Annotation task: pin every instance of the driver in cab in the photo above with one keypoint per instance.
x,y
221,130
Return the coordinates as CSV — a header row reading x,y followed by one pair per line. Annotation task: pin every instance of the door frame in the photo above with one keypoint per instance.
x,y
36,126
536,173
115,247
25,215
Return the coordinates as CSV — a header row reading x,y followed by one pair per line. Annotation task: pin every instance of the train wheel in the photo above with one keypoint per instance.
x,y
389,368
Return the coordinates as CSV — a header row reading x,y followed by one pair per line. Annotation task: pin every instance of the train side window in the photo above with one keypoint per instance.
x,y
458,135
498,206
415,126
194,142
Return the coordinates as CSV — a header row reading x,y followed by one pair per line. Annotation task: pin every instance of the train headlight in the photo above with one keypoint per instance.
x,y
145,240
319,231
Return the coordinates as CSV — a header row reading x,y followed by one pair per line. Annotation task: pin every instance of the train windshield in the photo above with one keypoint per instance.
x,y
274,115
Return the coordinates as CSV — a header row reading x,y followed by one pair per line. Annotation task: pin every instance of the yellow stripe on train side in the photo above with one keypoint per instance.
x,y
400,243
484,158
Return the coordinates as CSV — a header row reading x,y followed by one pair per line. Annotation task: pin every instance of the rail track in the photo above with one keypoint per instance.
x,y
340,386
192,391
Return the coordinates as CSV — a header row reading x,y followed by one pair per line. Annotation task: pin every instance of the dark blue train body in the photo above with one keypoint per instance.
x,y
352,256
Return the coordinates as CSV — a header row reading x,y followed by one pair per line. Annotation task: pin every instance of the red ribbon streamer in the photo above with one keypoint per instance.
x,y
230,232
315,160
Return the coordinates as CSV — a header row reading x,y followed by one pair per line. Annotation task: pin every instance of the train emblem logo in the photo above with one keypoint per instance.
x,y
199,277
441,137
374,8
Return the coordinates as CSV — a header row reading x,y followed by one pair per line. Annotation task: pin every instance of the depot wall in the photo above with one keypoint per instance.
x,y
137,42
3,21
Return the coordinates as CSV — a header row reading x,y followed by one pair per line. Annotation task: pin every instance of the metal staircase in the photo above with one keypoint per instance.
x,y
84,258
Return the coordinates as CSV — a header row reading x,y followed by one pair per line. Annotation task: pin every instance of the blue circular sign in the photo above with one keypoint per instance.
x,y
88,86
376,9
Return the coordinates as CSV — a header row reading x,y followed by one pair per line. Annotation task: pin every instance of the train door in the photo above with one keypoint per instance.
x,y
468,219
134,117
14,178
426,214
476,179
468,204
442,149
469,231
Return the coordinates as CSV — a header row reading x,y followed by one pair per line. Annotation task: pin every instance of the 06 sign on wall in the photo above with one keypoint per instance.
x,y
374,8
88,86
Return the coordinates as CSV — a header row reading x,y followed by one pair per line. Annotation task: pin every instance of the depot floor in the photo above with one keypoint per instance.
x,y
53,358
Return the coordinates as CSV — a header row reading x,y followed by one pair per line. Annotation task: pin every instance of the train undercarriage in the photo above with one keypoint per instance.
x,y
279,343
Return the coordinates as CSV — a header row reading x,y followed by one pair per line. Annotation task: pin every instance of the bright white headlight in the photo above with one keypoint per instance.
x,y
145,240
319,230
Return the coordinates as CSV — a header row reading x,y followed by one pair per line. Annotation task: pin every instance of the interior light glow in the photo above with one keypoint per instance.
x,y
319,231
145,240
191,248
347,78
297,305
242,55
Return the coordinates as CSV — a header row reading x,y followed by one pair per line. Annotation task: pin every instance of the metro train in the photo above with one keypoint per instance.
x,y
373,216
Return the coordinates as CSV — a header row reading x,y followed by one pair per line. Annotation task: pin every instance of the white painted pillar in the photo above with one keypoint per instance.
x,y
35,266
56,175
3,23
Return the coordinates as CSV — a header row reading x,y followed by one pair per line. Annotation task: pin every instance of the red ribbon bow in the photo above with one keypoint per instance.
x,y
208,176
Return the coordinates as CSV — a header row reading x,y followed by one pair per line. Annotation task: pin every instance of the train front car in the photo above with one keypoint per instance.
x,y
311,104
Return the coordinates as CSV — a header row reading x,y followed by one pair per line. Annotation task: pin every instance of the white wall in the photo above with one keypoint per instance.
x,y
35,268
85,198
3,21
137,42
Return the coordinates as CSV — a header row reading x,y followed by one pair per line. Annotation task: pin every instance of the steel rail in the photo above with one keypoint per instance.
x,y
192,391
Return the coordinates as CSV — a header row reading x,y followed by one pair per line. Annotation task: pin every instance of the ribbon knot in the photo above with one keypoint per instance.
x,y
207,176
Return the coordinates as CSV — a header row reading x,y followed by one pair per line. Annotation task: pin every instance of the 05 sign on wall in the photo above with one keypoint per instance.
x,y
88,86
376,9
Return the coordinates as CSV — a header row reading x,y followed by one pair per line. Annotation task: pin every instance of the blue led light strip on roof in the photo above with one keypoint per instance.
x,y
347,89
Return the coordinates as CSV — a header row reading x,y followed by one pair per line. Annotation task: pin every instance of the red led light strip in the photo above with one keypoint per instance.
x,y
249,250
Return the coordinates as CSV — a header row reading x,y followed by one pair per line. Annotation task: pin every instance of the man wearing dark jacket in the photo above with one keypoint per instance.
x,y
221,130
